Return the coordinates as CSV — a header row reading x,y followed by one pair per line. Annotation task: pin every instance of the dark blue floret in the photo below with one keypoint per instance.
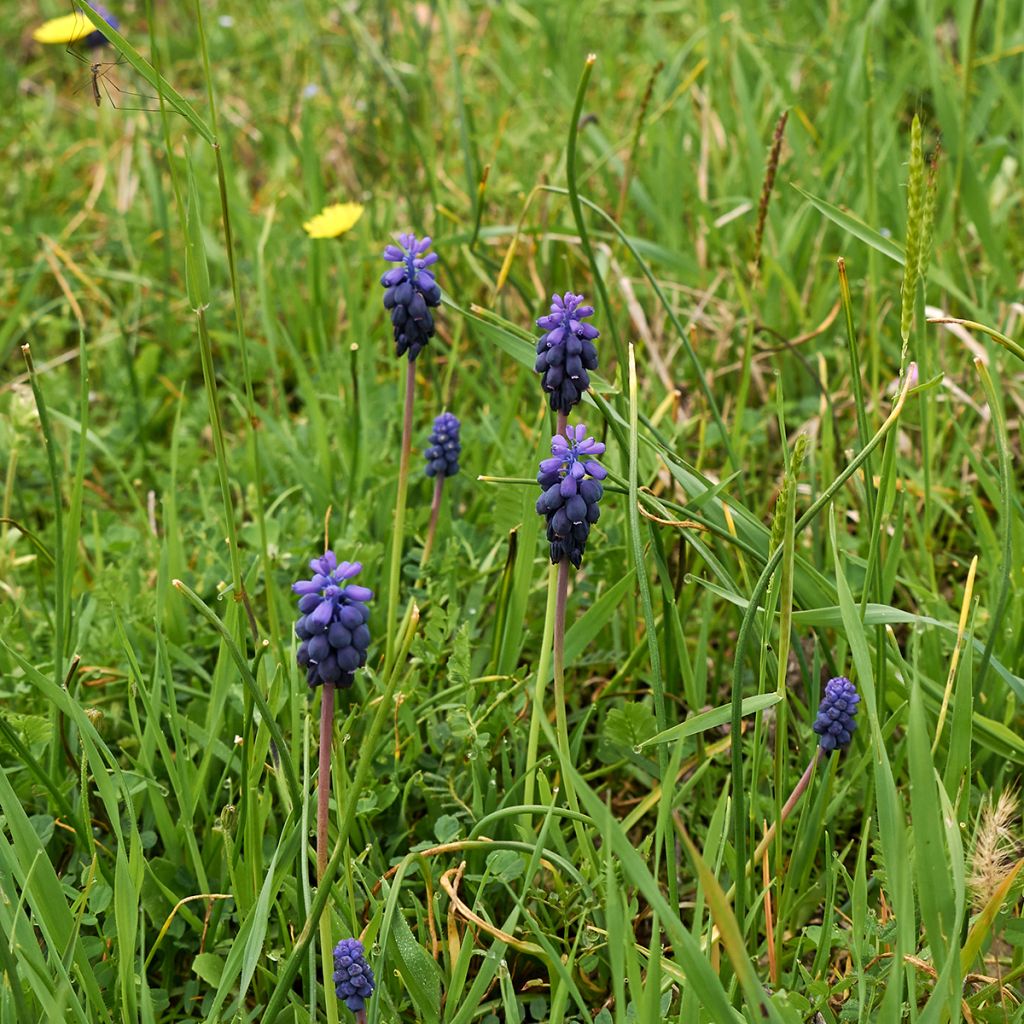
x,y
443,454
96,37
566,351
837,714
353,976
333,627
410,293
571,490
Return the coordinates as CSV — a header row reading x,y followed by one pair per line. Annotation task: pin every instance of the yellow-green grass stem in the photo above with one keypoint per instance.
x,y
398,534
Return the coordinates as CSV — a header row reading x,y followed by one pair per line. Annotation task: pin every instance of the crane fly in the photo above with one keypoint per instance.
x,y
99,70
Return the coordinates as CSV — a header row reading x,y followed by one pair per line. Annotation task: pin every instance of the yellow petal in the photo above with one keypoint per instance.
x,y
66,29
334,220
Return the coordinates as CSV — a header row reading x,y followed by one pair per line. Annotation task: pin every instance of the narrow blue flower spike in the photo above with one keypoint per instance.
x,y
333,627
570,482
443,454
565,351
837,714
410,292
353,976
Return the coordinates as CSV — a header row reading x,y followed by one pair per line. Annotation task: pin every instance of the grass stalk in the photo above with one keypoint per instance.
x,y
398,531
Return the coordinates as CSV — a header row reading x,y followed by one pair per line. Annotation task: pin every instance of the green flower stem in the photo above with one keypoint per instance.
x,y
61,608
561,722
323,812
787,809
384,708
543,664
435,509
394,578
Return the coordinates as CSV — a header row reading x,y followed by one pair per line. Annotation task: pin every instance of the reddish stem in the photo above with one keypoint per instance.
x,y
435,509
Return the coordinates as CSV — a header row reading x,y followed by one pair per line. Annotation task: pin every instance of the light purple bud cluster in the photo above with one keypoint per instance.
x,y
333,627
566,351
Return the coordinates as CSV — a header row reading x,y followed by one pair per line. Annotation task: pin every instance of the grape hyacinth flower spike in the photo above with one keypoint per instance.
x,y
442,462
410,293
837,712
443,454
333,626
353,977
570,482
565,351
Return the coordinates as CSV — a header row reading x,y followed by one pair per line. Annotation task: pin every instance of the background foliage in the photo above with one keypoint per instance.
x,y
158,746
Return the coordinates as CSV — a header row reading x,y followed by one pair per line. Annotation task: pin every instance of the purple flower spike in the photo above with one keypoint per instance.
x,y
353,976
566,351
571,491
837,714
333,627
443,454
410,293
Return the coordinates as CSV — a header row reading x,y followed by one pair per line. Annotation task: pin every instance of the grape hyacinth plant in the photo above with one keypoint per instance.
x,y
410,293
570,482
834,725
353,977
566,351
335,637
442,462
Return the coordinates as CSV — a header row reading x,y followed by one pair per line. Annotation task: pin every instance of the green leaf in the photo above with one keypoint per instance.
x,y
209,967
446,828
418,971
629,726
458,660
713,718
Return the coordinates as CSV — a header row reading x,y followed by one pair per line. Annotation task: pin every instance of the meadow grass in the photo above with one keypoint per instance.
x,y
810,401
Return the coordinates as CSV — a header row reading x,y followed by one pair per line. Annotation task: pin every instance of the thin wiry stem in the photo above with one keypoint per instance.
x,y
399,532
435,509
787,808
323,805
538,691
323,784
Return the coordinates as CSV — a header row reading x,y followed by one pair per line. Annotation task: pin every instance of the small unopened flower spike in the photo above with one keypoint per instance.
x,y
442,462
570,482
443,454
333,626
565,351
834,725
837,715
410,293
353,977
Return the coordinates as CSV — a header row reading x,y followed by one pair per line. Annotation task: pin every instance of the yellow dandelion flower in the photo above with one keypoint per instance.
x,y
335,220
67,29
